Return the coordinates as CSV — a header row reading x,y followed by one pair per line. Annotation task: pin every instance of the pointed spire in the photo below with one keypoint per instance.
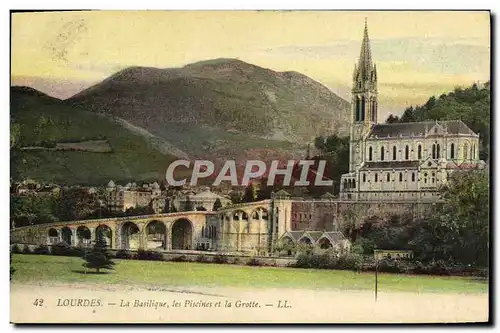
x,y
365,57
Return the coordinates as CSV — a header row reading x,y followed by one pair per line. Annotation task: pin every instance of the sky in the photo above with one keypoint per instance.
x,y
418,53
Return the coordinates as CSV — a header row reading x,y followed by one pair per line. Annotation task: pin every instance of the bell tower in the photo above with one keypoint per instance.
x,y
364,102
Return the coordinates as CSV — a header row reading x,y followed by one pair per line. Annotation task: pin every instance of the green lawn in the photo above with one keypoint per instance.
x,y
38,268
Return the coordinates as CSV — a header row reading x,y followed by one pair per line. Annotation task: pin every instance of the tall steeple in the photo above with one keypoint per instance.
x,y
365,58
364,101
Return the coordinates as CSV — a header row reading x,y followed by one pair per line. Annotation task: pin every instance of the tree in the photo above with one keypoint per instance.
x,y
217,205
99,258
392,119
77,204
250,194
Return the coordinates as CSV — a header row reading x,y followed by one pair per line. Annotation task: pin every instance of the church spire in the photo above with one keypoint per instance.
x,y
365,58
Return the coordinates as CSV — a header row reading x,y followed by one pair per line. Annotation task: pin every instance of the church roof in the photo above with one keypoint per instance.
x,y
390,165
418,128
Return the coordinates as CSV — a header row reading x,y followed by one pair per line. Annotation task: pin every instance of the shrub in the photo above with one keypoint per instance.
x,y
237,261
221,259
42,249
27,249
254,262
15,248
148,255
181,258
123,254
61,249
202,258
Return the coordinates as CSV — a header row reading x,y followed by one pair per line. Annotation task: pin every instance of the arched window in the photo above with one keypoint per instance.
x,y
394,153
473,151
370,153
376,177
388,177
363,108
354,183
407,152
364,177
381,153
413,176
400,176
466,150
438,151
419,152
358,109
452,151
374,111
433,151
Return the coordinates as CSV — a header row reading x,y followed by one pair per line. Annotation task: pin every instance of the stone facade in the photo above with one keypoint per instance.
x,y
120,198
401,161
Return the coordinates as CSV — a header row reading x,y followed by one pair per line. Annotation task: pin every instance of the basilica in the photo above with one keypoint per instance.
x,y
400,161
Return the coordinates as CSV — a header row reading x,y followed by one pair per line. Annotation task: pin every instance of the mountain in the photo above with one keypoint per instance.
x,y
54,142
221,108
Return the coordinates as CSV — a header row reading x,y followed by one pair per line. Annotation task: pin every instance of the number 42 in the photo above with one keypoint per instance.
x,y
38,302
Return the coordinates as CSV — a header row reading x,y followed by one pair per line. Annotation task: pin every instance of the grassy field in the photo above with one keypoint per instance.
x,y
38,268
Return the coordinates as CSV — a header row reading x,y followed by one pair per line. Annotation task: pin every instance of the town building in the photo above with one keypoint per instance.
x,y
400,161
120,198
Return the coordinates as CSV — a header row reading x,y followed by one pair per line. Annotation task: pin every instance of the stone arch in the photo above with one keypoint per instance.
x,y
106,233
156,235
306,240
53,232
325,243
182,234
83,235
53,235
240,215
130,234
67,235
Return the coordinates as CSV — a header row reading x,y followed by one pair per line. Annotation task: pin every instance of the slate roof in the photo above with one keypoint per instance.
x,y
418,128
390,165
315,235
336,236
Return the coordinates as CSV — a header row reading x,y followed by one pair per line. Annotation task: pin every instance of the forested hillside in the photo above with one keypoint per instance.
x,y
472,105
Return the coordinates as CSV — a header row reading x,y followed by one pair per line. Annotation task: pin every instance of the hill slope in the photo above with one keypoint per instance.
x,y
220,106
40,122
472,105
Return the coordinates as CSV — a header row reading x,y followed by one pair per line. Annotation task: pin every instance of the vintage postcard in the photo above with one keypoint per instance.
x,y
250,167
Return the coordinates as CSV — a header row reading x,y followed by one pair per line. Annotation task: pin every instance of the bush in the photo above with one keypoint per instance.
x,y
15,249
202,258
61,249
27,249
237,261
254,262
329,261
123,254
181,258
221,259
148,255
42,249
